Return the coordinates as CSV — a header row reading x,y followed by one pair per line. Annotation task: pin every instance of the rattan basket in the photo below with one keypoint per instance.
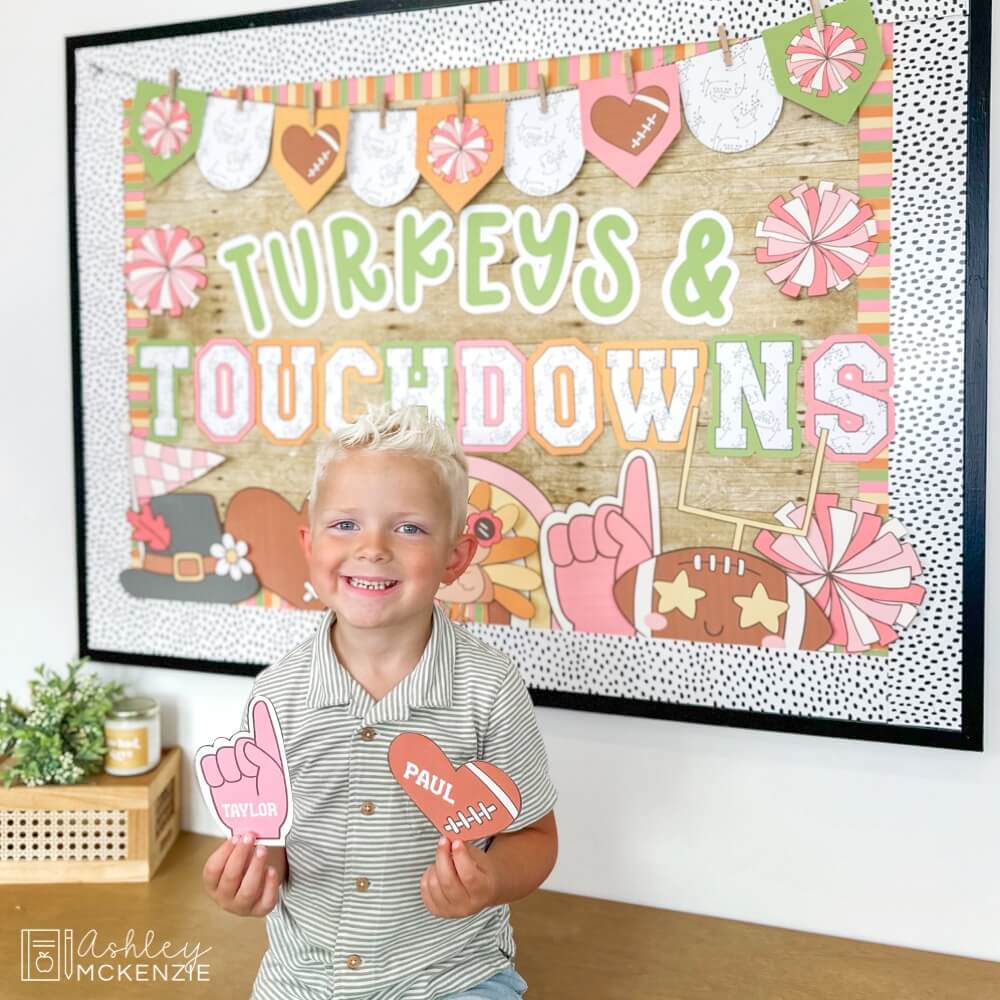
x,y
109,829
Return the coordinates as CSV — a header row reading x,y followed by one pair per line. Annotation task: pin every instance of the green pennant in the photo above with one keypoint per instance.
x,y
165,132
827,70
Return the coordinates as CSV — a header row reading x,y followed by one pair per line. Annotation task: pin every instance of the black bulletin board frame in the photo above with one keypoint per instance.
x,y
970,737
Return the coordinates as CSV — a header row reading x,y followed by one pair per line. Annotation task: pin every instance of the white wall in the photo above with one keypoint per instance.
x,y
884,843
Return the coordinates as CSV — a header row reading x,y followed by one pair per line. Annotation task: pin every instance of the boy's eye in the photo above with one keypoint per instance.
x,y
407,529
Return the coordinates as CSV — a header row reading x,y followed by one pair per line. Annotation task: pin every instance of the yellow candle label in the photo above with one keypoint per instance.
x,y
127,748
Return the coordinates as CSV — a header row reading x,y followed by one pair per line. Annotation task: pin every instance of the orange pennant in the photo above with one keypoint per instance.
x,y
458,156
309,158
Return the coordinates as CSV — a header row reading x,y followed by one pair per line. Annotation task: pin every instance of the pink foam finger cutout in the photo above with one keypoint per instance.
x,y
244,778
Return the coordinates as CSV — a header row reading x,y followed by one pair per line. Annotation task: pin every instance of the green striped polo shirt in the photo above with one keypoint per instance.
x,y
349,921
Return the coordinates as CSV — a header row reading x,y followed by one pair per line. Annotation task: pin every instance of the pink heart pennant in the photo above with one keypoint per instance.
x,y
244,779
628,131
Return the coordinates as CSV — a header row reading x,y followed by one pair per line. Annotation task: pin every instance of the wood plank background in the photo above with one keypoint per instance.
x,y
688,177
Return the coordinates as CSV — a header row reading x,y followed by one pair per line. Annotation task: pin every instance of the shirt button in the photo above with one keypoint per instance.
x,y
362,884
354,961
367,734
367,808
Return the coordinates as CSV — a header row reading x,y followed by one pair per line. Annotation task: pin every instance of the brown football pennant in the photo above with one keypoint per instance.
x,y
459,151
309,157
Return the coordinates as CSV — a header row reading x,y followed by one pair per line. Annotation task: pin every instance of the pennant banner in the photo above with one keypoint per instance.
x,y
381,158
235,142
628,132
730,108
459,156
165,131
162,468
544,143
827,64
309,157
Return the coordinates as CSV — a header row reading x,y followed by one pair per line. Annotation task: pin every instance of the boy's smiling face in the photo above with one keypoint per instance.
x,y
384,519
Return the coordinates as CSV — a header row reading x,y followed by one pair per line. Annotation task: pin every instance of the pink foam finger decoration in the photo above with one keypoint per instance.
x,y
244,778
587,547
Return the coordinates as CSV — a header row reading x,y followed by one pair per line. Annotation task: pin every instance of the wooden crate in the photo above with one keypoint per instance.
x,y
108,829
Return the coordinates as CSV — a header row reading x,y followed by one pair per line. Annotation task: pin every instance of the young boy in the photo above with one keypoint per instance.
x,y
366,899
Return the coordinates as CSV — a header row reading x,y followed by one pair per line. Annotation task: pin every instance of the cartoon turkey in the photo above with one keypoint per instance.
x,y
503,583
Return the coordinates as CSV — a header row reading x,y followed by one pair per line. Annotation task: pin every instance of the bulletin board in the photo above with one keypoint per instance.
x,y
701,293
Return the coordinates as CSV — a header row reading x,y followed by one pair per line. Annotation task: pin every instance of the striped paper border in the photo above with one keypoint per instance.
x,y
136,317
501,79
874,186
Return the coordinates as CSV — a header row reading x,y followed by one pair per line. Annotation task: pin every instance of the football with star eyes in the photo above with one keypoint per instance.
x,y
720,595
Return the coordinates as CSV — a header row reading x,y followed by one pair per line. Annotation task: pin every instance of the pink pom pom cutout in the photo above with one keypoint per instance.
x,y
853,564
163,269
819,238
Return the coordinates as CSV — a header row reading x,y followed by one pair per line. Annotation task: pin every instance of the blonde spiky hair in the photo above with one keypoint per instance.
x,y
408,430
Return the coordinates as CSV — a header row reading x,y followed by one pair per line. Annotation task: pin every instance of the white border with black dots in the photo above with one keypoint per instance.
x,y
918,684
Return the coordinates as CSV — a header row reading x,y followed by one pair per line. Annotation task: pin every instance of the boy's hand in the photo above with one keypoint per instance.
x,y
243,879
462,881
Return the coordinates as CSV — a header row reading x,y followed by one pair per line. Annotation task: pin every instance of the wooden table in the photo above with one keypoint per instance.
x,y
569,947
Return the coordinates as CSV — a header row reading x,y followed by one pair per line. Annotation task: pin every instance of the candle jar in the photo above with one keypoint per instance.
x,y
132,734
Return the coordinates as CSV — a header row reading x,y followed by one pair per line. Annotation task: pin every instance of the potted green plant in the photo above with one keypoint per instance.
x,y
59,740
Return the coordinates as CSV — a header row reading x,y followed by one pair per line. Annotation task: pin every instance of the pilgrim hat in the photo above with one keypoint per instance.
x,y
199,563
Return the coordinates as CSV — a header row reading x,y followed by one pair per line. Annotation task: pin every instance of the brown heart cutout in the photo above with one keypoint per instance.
x,y
269,525
475,800
310,156
631,125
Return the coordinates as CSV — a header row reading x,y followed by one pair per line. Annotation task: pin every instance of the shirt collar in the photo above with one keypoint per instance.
x,y
427,685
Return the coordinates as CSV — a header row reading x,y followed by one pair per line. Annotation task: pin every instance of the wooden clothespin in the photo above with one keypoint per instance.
x,y
817,9
629,75
461,102
239,98
383,106
543,94
311,104
727,56
172,84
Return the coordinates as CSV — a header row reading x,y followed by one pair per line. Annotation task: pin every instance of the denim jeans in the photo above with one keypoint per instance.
x,y
505,985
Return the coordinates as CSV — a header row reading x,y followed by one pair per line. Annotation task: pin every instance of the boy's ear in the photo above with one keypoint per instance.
x,y
305,540
461,555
